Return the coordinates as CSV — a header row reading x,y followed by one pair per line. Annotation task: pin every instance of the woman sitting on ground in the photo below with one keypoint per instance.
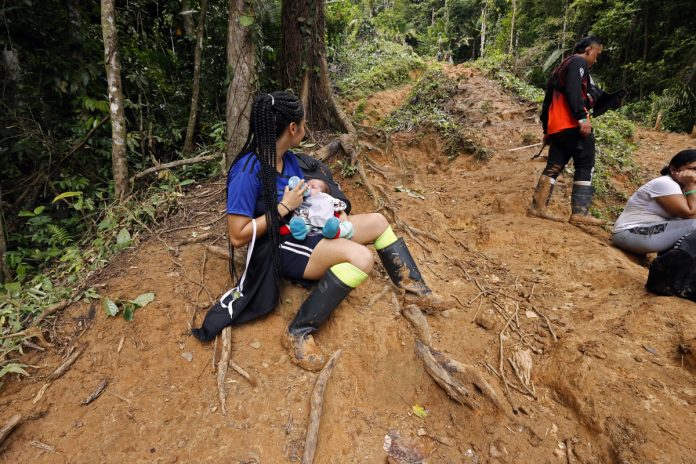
x,y
257,188
661,211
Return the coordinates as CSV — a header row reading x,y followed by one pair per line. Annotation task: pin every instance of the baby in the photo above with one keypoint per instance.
x,y
319,213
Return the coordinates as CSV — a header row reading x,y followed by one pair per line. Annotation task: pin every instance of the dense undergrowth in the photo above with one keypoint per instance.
x,y
362,69
426,109
63,255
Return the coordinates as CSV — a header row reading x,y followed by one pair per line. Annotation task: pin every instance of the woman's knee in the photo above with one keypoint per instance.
x,y
362,258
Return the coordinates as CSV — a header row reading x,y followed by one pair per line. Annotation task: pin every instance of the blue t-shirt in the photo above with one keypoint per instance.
x,y
244,189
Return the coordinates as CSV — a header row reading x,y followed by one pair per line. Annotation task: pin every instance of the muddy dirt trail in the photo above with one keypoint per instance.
x,y
600,374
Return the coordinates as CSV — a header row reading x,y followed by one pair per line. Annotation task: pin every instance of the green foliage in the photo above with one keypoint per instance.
x,y
426,107
363,69
614,155
112,308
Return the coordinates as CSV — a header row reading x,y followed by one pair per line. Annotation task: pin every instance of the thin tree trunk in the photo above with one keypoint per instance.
x,y
5,274
563,34
512,25
303,54
241,64
119,160
196,86
483,28
186,13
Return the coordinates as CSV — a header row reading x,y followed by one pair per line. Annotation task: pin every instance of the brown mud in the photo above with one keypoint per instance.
x,y
605,370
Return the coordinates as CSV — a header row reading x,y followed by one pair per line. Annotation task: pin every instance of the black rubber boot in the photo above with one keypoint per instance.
x,y
327,295
402,268
580,201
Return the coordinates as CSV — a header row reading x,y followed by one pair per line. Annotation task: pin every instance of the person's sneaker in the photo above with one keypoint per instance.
x,y
304,352
585,220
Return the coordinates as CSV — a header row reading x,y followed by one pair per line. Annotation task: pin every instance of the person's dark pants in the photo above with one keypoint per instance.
x,y
571,144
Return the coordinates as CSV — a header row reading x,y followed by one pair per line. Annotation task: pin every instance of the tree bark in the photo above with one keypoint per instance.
x,y
196,86
303,64
484,13
119,159
512,26
241,64
186,13
5,274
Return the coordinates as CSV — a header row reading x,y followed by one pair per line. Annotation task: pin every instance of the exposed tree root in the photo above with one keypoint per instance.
x,y
222,368
7,429
316,406
449,375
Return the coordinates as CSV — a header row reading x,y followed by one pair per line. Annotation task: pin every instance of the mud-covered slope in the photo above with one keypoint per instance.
x,y
608,379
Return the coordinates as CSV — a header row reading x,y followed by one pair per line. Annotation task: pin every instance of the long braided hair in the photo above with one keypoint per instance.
x,y
270,115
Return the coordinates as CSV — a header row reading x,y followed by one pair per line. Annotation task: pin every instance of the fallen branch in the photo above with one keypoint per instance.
x,y
198,239
173,164
377,297
63,368
222,368
316,406
96,393
218,251
238,369
51,310
9,426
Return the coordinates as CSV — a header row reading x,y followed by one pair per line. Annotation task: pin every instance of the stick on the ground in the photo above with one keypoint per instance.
x,y
526,146
198,239
7,429
316,406
238,369
219,251
96,393
173,164
222,367
58,373
51,310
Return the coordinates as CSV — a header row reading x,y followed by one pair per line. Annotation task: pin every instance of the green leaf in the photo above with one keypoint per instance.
x,y
13,289
555,55
186,182
38,210
110,307
124,238
246,21
144,299
25,213
13,368
129,311
419,411
66,195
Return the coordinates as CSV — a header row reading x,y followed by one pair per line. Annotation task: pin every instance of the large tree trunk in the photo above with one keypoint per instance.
x,y
241,64
196,86
119,160
303,64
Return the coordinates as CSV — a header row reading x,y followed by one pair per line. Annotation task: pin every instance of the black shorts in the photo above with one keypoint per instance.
x,y
294,255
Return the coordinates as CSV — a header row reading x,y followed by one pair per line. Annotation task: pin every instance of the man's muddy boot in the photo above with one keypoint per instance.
x,y
403,271
542,198
328,294
581,200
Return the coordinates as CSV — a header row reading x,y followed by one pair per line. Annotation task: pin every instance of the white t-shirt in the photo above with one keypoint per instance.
x,y
642,208
318,208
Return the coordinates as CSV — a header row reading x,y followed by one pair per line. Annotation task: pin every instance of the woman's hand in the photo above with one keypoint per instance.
x,y
686,178
293,198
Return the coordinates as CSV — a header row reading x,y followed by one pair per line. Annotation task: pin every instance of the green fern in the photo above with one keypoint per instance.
x,y
59,235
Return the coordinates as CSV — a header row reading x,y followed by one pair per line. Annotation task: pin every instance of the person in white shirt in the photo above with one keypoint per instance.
x,y
661,211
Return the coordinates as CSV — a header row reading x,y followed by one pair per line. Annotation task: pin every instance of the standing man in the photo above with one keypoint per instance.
x,y
565,116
